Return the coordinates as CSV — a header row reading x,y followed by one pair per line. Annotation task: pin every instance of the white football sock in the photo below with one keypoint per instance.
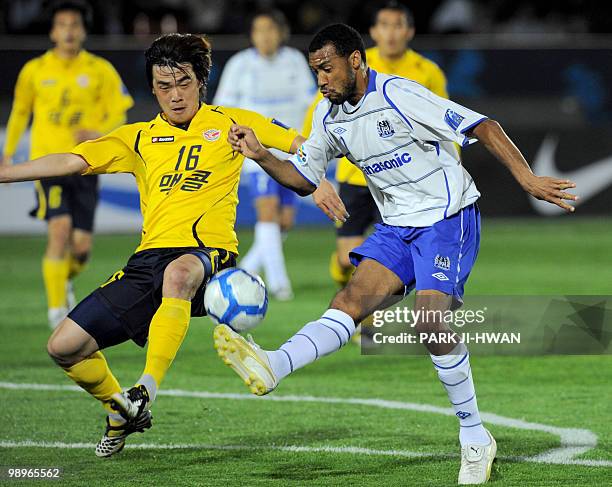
x,y
455,374
268,239
316,339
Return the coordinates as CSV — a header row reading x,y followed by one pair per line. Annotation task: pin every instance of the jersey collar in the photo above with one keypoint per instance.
x,y
348,108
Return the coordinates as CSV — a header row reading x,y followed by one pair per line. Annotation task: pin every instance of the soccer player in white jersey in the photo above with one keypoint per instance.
x,y
401,136
273,80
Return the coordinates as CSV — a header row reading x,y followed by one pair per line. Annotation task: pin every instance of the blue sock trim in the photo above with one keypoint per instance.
x,y
339,339
348,333
460,403
457,383
311,341
469,425
452,366
289,357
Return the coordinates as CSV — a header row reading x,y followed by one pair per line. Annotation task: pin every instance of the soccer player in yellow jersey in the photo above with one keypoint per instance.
x,y
392,31
74,96
187,175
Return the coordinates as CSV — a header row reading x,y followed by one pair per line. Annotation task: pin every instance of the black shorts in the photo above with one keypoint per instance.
x,y
75,195
132,295
362,208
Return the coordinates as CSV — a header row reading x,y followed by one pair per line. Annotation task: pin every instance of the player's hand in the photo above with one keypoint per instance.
x,y
328,201
552,190
84,134
243,140
6,161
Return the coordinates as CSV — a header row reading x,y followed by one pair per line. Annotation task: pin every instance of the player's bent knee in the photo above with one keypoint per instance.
x,y
59,353
181,280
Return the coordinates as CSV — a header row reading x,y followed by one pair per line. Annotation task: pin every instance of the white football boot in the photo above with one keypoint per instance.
x,y
246,358
476,462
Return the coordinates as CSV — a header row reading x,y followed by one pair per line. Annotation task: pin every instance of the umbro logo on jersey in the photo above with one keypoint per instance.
x,y
453,119
385,129
440,276
211,134
463,414
169,138
339,130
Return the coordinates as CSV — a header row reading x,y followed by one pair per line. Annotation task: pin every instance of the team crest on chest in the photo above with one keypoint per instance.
x,y
211,134
385,129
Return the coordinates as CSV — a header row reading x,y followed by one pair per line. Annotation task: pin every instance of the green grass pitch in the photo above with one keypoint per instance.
x,y
240,441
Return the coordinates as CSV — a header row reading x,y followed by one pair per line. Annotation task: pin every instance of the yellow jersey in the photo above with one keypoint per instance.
x,y
411,65
187,178
64,96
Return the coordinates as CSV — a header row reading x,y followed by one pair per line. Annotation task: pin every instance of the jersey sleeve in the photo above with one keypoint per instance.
x,y
228,91
270,132
313,156
112,153
430,117
115,100
22,108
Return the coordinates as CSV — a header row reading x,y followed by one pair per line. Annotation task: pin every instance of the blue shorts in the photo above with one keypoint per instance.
x,y
260,185
438,257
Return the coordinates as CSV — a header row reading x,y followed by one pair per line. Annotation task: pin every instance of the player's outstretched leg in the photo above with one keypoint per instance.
x,y
77,352
262,370
182,278
452,363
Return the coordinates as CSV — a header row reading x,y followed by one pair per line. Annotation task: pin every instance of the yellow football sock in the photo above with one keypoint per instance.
x,y
76,266
55,274
338,274
166,333
94,375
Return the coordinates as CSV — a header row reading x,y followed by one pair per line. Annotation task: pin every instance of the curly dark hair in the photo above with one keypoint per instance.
x,y
174,50
343,37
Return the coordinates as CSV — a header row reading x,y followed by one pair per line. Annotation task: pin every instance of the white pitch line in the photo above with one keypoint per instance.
x,y
203,446
573,441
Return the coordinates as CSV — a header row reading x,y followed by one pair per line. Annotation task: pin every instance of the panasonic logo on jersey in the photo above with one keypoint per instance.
x,y
396,161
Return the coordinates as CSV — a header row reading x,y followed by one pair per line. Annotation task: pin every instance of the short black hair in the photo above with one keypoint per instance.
x,y
343,37
277,17
172,50
83,8
396,7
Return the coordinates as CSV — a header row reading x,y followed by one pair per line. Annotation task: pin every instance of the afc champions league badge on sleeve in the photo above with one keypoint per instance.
x,y
211,135
302,157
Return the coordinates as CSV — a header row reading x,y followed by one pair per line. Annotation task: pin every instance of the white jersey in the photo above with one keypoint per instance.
x,y
401,136
281,87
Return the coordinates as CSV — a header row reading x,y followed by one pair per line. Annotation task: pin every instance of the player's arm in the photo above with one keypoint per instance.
x,y
492,135
433,118
243,140
20,112
52,165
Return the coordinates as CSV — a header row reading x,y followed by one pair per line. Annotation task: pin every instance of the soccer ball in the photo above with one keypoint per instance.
x,y
236,298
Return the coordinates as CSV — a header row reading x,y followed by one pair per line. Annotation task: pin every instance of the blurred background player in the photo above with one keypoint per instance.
x,y
274,80
74,96
392,31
